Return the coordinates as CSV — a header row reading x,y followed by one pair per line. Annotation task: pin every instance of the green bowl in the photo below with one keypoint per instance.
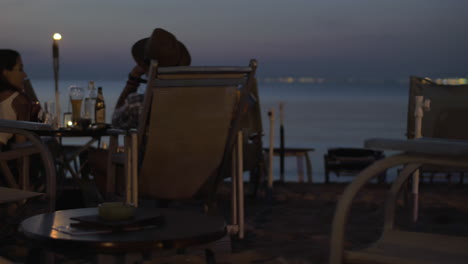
x,y
115,211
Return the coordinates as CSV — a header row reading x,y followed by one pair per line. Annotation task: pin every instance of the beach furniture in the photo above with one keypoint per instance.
x,y
252,130
395,244
443,117
436,111
350,161
300,154
18,187
185,142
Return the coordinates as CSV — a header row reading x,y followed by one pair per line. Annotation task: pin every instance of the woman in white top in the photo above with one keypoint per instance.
x,y
14,103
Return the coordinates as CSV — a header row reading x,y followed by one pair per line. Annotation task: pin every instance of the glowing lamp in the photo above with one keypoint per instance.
x,y
57,36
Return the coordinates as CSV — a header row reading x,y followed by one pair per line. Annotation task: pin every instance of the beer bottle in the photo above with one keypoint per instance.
x,y
100,108
90,103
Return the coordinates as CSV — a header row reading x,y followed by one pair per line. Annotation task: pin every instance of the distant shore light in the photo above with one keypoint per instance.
x,y
57,36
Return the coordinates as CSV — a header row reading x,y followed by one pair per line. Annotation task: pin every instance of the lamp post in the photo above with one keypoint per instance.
x,y
55,55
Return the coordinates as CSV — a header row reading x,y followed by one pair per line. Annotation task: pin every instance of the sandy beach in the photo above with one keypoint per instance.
x,y
295,225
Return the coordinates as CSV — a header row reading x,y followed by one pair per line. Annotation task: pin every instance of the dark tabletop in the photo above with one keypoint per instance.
x,y
74,132
292,149
180,229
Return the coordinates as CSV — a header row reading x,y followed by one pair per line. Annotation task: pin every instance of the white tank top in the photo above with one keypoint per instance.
x,y
7,112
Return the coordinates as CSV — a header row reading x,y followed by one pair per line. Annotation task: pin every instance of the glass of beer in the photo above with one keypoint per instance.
x,y
76,99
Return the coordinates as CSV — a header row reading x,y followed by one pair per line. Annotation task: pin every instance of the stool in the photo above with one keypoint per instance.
x,y
299,153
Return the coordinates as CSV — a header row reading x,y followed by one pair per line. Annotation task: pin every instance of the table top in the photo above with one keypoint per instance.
x,y
70,132
431,146
182,228
291,149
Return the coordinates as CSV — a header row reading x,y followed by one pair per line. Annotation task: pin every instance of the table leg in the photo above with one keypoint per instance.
x,y
308,167
300,167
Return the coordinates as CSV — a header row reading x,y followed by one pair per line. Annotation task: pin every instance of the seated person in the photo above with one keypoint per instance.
x,y
15,104
161,46
168,51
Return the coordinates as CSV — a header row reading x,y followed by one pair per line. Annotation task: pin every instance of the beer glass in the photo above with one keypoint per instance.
x,y
76,99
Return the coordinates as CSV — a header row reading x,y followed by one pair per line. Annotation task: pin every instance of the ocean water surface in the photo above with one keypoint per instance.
x,y
319,116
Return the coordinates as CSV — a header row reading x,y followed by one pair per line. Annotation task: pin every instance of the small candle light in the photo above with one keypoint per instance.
x,y
57,36
67,122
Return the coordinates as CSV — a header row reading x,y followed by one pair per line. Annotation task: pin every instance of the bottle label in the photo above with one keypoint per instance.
x,y
101,116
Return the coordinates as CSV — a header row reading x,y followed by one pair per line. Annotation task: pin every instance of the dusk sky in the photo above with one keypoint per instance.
x,y
318,38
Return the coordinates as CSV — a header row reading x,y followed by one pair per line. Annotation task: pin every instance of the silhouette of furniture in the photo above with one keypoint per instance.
x,y
185,144
443,119
301,154
178,229
396,245
19,184
350,161
252,134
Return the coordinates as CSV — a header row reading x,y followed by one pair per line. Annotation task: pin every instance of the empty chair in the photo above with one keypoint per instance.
x,y
444,118
397,245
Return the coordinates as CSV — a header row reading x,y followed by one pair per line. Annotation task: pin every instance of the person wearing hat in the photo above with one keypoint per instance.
x,y
161,46
168,51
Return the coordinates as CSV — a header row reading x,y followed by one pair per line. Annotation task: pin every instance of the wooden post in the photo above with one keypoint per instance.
x,y
128,168
281,142
134,148
271,114
421,106
240,183
234,186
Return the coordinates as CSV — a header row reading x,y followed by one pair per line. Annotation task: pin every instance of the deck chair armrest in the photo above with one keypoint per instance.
x,y
344,204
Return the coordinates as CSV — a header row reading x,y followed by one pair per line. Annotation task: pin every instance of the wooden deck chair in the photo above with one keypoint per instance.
x,y
18,187
187,131
445,118
252,129
398,245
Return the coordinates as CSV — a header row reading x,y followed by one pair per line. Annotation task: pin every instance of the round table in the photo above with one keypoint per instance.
x,y
181,229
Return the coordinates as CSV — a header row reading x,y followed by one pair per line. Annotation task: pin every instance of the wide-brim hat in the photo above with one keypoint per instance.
x,y
163,47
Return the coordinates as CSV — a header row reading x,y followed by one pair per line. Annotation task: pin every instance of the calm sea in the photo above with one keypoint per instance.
x,y
319,116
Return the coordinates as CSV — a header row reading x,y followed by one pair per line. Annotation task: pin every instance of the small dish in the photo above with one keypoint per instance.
x,y
116,211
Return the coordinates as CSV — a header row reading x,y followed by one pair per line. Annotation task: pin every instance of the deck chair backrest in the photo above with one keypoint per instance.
x,y
187,127
448,109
